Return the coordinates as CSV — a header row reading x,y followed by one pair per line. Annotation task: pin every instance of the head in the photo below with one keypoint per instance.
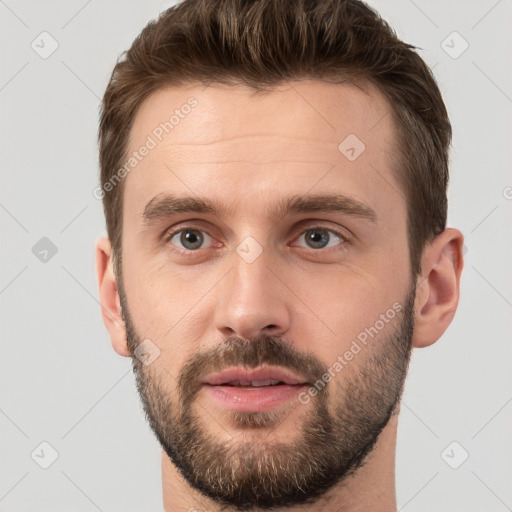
x,y
274,180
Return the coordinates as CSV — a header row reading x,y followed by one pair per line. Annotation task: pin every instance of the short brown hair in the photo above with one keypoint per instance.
x,y
262,43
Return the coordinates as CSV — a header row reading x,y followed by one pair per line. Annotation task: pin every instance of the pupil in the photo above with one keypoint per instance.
x,y
190,237
316,236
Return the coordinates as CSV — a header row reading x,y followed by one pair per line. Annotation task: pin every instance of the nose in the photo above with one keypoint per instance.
x,y
252,299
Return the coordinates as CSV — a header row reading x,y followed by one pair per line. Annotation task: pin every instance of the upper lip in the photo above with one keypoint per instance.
x,y
250,375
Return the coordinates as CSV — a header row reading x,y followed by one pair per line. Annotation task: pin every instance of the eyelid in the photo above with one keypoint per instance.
x,y
341,246
171,233
341,231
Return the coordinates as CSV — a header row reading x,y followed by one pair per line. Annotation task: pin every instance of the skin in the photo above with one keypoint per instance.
x,y
247,151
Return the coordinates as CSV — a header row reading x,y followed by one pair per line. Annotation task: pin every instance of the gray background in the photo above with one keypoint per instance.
x,y
60,380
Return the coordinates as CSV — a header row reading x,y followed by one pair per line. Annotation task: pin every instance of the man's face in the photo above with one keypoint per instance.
x,y
304,292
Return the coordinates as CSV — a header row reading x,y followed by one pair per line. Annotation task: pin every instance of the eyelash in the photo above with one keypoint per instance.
x,y
188,252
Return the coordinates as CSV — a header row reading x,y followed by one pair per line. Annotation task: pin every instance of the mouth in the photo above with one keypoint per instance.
x,y
254,378
258,390
253,384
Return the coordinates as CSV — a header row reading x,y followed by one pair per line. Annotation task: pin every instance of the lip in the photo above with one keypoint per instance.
x,y
253,398
257,374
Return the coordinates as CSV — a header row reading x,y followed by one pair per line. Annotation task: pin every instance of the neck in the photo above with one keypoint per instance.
x,y
371,487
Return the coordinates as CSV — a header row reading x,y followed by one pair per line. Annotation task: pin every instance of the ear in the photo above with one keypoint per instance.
x,y
109,297
437,289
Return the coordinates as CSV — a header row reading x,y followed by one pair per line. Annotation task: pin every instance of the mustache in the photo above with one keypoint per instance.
x,y
247,353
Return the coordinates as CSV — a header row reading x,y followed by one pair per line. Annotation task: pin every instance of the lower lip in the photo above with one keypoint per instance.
x,y
253,399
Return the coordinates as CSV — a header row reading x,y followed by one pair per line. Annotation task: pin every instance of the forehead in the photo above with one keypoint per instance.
x,y
299,137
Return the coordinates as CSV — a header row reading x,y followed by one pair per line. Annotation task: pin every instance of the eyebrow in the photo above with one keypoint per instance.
x,y
164,206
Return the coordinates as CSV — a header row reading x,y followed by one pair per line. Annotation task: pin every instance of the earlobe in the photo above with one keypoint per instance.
x,y
437,292
109,297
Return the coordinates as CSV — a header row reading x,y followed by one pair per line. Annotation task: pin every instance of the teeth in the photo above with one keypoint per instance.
x,y
256,383
268,382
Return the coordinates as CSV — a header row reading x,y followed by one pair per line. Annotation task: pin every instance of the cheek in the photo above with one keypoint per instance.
x,y
168,307
344,305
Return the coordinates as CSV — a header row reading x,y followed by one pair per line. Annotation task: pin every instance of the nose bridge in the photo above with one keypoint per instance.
x,y
250,275
253,298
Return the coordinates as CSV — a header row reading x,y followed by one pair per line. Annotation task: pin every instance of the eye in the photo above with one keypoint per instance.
x,y
320,238
189,238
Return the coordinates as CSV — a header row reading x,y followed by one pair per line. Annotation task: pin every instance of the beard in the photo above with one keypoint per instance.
x,y
334,435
